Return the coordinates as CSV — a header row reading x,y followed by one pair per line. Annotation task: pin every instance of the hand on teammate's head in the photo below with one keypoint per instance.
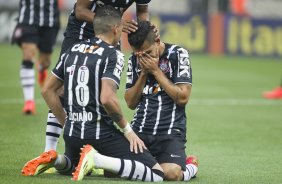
x,y
129,26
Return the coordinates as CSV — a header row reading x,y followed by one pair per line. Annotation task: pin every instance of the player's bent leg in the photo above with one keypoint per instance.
x,y
44,61
172,172
129,169
27,76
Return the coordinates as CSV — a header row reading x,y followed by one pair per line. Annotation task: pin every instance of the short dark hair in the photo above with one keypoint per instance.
x,y
145,32
105,18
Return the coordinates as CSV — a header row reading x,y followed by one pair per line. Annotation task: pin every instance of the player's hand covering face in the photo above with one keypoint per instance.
x,y
149,63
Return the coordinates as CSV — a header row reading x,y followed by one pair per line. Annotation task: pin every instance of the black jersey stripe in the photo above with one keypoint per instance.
x,y
39,13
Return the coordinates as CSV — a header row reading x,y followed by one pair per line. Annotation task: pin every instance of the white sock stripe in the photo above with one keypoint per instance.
x,y
190,171
54,129
52,120
26,72
28,81
127,168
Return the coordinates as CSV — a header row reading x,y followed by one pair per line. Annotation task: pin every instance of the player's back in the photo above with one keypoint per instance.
x,y
85,65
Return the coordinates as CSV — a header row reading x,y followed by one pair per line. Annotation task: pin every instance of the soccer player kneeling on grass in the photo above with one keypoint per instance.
x,y
90,72
159,82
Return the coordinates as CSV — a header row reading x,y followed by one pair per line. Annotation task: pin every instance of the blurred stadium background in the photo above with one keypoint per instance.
x,y
236,54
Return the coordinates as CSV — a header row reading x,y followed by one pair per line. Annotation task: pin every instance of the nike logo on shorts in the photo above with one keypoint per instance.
x,y
172,155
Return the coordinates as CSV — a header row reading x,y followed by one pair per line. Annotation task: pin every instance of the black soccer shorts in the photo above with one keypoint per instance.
x,y
116,145
167,148
43,37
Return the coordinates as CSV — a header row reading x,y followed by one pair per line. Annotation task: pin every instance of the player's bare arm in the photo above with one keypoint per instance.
x,y
50,95
111,104
132,95
180,93
142,14
83,12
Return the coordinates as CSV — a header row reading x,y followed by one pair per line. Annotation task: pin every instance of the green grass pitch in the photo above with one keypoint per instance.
x,y
236,134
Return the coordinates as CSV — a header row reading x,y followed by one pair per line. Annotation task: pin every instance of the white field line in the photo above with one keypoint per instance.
x,y
197,102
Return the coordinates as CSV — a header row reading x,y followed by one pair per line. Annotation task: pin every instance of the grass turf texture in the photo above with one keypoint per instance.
x,y
235,133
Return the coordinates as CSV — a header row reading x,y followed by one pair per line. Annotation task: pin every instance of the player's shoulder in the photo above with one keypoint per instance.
x,y
174,51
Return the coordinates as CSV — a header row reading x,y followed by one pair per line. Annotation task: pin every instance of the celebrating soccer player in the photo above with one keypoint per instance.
x,y
80,27
159,82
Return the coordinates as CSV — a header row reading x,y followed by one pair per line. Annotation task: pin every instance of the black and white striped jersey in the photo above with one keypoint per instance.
x,y
82,68
39,13
84,30
156,113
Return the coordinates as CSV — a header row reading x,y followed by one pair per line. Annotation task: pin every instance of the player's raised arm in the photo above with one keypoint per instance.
x,y
142,11
83,12
134,87
180,92
142,14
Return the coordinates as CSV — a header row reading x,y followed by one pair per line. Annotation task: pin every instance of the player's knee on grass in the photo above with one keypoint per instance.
x,y
172,172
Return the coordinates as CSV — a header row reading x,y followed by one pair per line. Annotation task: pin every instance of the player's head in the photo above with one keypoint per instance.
x,y
107,21
144,39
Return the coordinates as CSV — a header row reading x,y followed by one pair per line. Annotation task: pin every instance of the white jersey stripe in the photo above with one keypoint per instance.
x,y
97,97
158,115
22,11
41,13
172,119
84,24
31,16
70,95
144,117
84,119
51,13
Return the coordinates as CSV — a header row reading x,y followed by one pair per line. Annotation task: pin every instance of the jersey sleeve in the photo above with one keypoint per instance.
x,y
183,70
114,67
131,75
58,71
142,1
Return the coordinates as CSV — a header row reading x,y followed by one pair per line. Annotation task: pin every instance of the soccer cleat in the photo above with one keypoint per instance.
x,y
29,107
191,159
42,76
40,164
274,94
85,164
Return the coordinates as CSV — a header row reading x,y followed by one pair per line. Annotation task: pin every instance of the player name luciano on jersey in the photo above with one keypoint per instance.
x,y
82,69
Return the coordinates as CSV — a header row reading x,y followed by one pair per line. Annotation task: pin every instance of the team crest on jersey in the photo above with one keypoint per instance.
x,y
18,32
164,65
